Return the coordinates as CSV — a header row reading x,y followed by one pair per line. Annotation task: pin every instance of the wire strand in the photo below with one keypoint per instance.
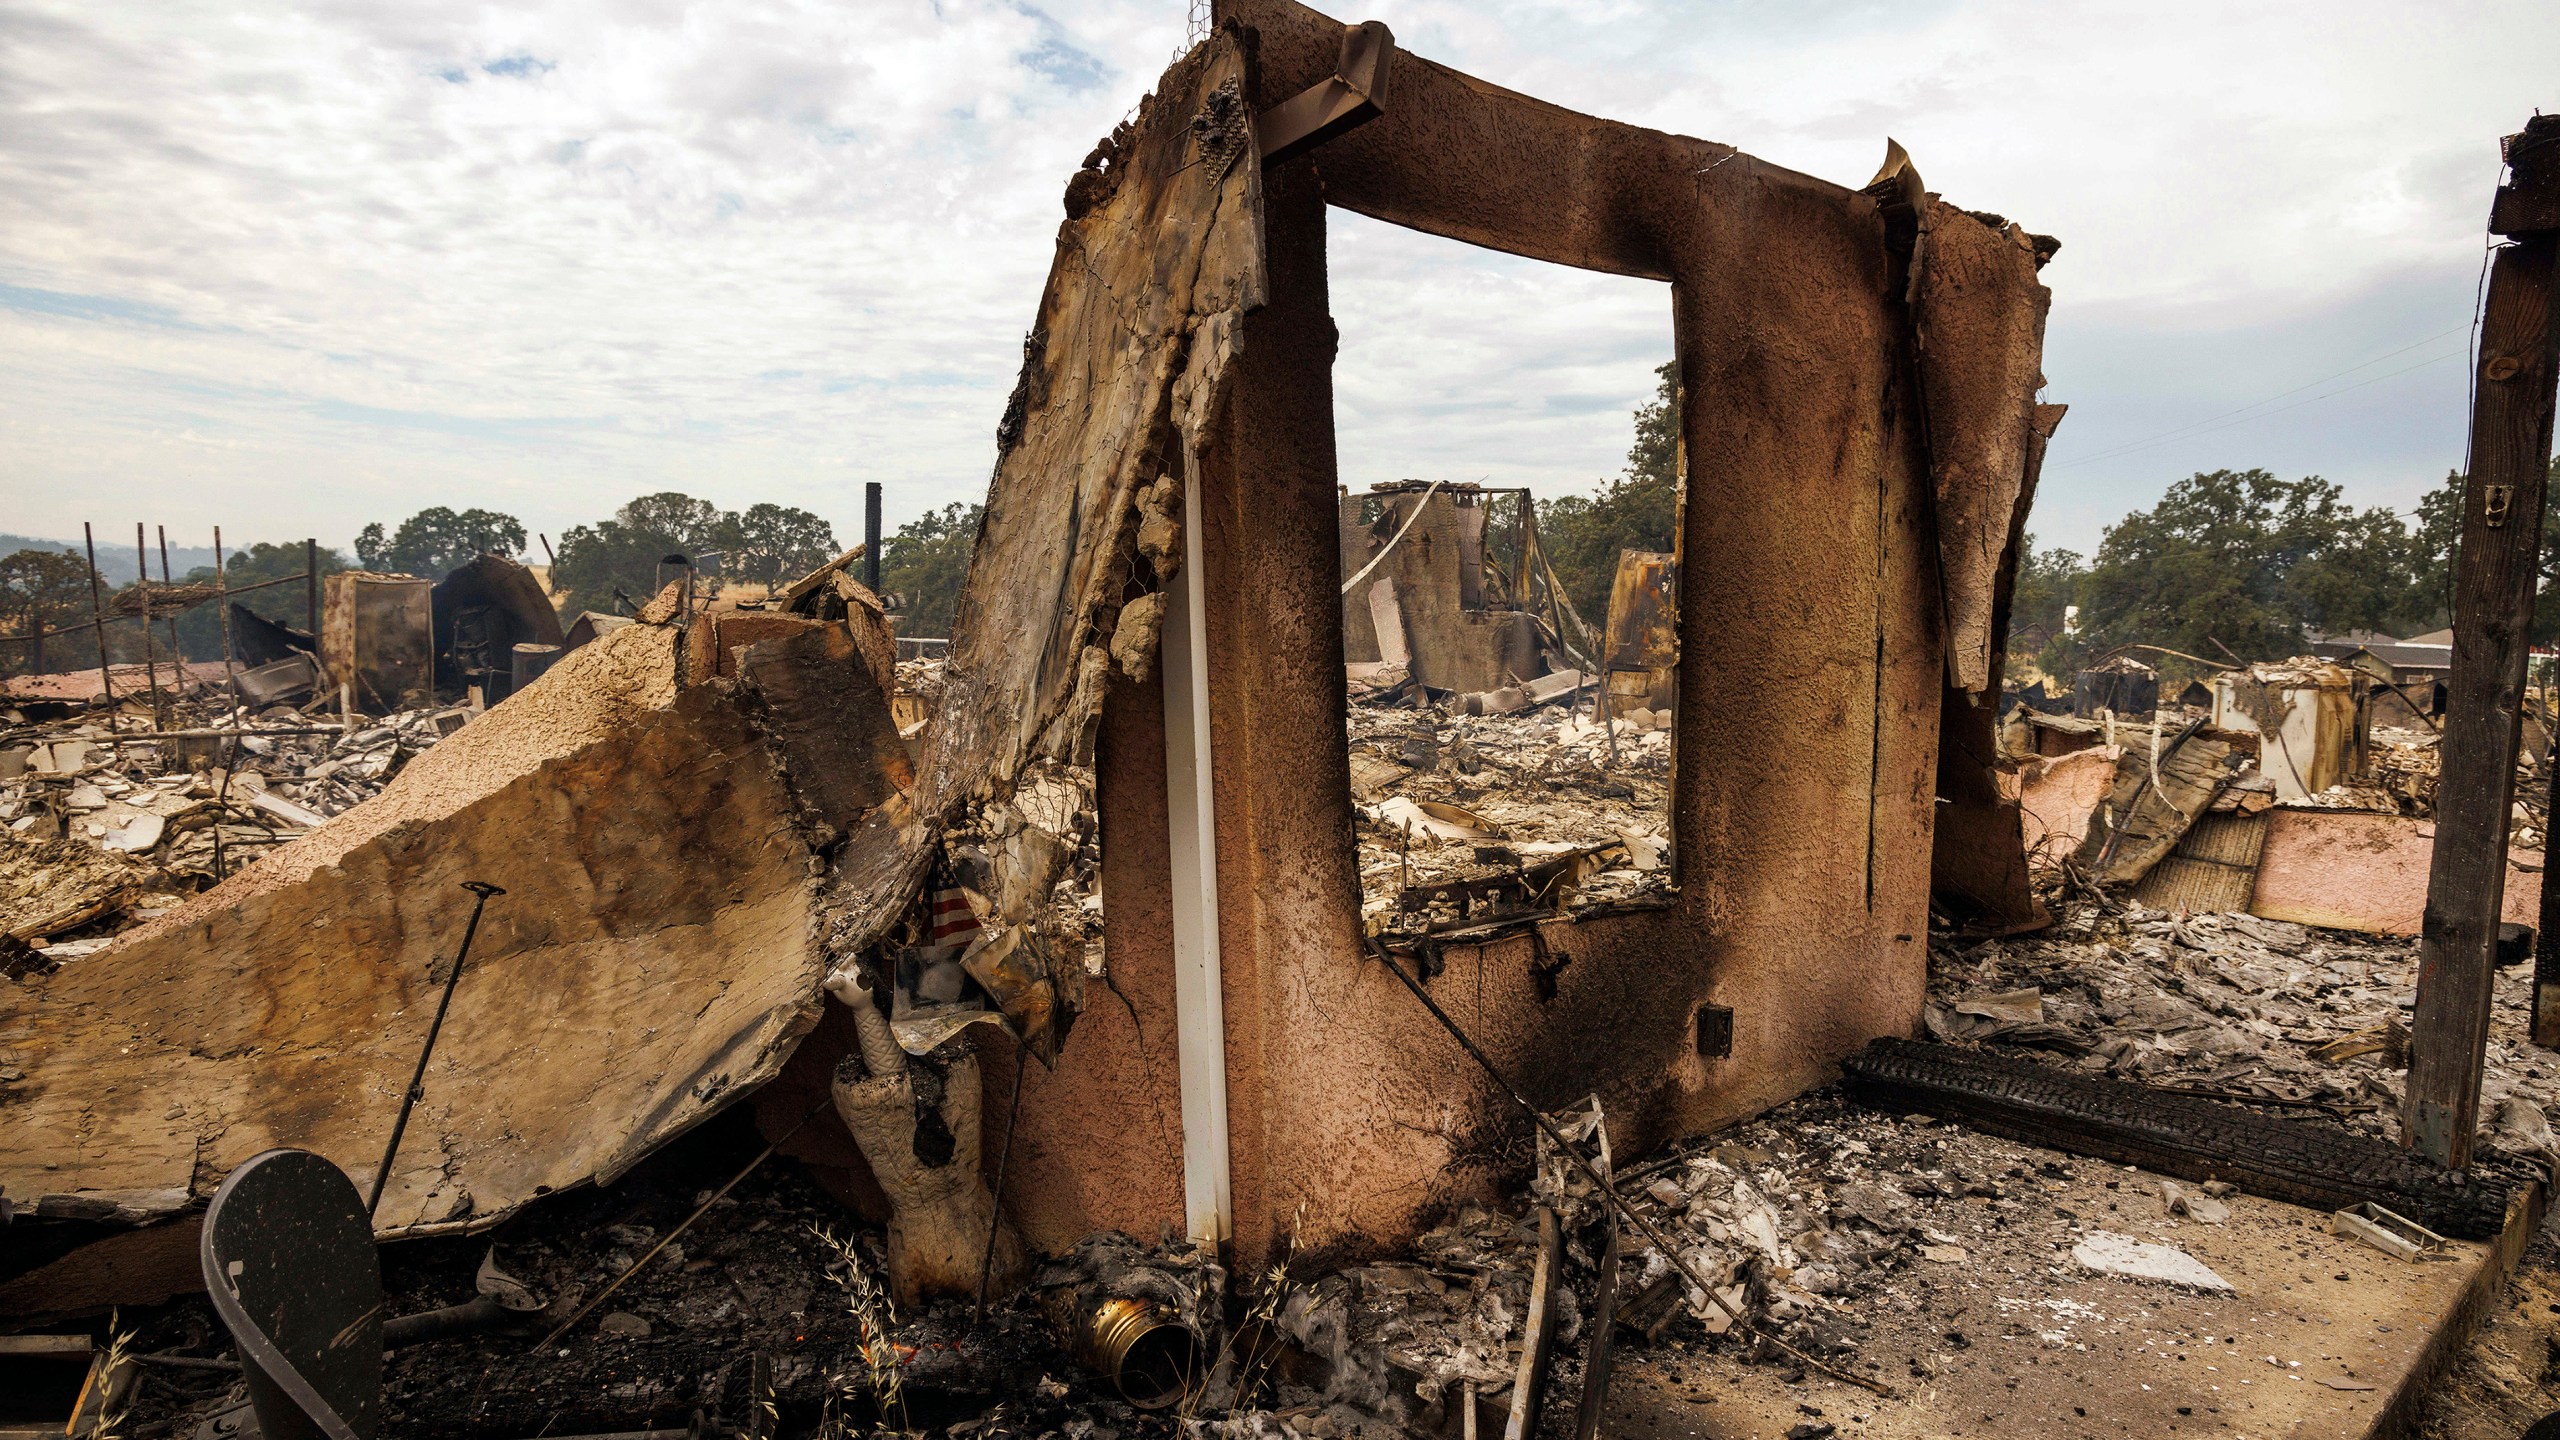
x,y
2243,414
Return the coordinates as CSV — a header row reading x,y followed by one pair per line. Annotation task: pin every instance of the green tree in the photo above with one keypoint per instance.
x,y
774,543
614,565
200,629
1635,510
925,564
690,523
609,567
2439,536
2240,561
2050,583
437,539
50,587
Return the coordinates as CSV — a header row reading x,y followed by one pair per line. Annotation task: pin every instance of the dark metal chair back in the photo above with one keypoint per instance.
x,y
289,1260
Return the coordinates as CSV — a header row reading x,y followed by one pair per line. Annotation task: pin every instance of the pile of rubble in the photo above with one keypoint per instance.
x,y
2405,766
2236,1007
1859,1240
1449,799
143,813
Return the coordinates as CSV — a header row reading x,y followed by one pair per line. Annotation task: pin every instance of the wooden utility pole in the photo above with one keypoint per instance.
x,y
2494,583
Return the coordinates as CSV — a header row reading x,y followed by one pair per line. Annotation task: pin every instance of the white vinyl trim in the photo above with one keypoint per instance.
x,y
1198,974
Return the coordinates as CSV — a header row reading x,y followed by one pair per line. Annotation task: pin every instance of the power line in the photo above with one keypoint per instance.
x,y
2243,414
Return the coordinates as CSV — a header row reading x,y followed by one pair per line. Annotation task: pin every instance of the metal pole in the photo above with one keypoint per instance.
x,y
871,536
700,1210
230,704
311,587
98,616
2495,573
418,1081
150,647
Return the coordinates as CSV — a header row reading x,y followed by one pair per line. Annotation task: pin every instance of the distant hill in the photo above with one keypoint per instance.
x,y
115,556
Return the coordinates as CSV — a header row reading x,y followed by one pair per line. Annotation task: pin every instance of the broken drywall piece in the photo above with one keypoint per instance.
x,y
2109,1253
1434,818
1386,612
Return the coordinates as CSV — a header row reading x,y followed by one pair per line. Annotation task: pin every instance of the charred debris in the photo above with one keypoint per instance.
x,y
1276,969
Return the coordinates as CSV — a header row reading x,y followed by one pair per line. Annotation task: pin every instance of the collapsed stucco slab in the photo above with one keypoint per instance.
x,y
2354,870
656,953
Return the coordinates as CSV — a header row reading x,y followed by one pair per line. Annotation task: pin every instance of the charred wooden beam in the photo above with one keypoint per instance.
x,y
2302,1161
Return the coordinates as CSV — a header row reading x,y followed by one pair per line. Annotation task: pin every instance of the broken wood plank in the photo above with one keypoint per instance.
x,y
286,810
2152,803
2306,1162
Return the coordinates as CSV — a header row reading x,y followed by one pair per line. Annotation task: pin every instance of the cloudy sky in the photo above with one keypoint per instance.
x,y
291,268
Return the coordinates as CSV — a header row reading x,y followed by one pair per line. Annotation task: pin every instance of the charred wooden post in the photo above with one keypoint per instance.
x,y
871,537
311,586
2546,956
177,648
98,616
150,648
2494,581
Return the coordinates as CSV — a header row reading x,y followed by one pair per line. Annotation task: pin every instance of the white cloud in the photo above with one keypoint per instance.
x,y
290,269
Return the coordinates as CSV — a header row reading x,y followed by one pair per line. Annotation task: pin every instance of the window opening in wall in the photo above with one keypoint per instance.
x,y
1510,626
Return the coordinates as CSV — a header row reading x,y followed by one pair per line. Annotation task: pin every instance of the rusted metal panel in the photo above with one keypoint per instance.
x,y
2213,870
377,638
1640,645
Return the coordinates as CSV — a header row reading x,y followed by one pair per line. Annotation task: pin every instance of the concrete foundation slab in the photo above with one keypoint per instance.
x,y
2324,1337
